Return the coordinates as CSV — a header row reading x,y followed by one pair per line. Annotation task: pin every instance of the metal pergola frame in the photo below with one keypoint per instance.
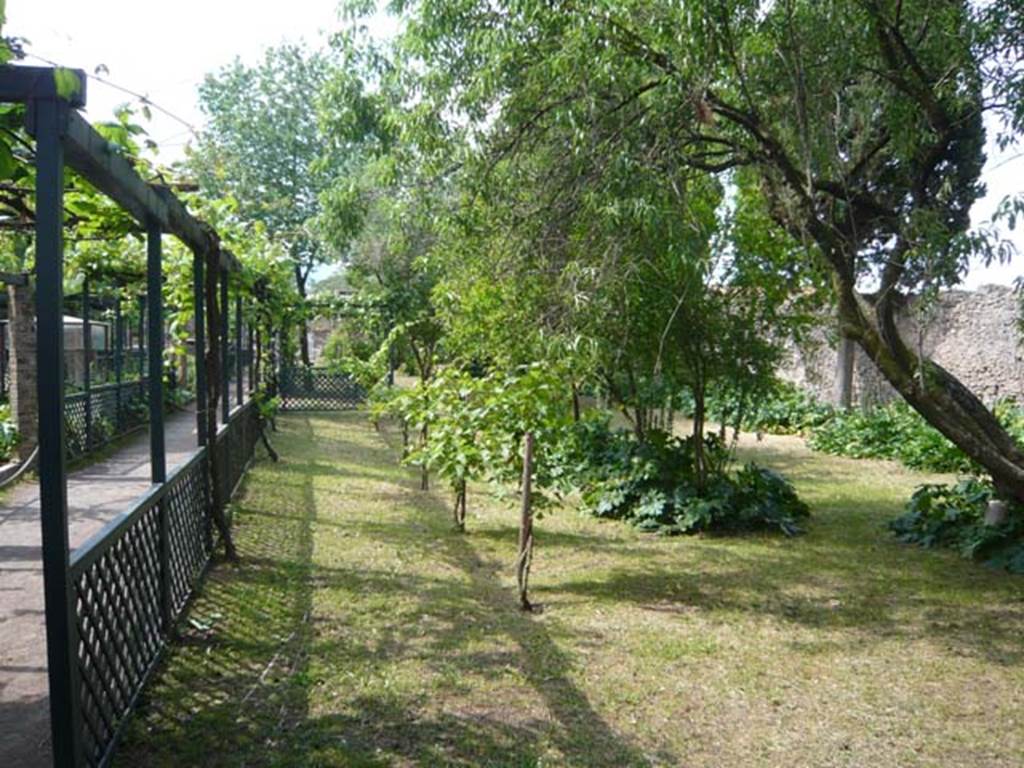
x,y
65,139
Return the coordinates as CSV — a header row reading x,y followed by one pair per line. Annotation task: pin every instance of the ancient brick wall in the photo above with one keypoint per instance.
x,y
974,334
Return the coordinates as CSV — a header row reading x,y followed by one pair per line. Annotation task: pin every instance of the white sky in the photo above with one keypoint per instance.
x,y
163,50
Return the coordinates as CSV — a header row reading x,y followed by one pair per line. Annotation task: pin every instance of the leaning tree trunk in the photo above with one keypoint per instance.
x,y
941,399
525,557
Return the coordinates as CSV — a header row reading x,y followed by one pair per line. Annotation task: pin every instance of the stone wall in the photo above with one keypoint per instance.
x,y
973,334
21,306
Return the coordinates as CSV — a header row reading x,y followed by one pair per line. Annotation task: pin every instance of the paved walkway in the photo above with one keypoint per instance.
x,y
96,494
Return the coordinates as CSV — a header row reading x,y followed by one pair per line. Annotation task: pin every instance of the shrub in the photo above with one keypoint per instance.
x,y
650,484
896,431
953,516
8,433
786,410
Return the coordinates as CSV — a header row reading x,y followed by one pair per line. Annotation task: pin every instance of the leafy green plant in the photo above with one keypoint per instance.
x,y
451,410
266,405
8,433
953,516
783,409
651,484
895,431
504,427
789,411
103,430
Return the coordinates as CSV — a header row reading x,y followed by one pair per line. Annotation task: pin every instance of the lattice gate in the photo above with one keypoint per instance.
x,y
318,389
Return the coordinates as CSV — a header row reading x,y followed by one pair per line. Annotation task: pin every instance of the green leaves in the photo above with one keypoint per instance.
x,y
475,425
8,163
8,433
651,484
263,145
67,83
953,516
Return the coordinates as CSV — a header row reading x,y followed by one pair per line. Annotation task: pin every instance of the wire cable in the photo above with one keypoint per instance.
x,y
142,98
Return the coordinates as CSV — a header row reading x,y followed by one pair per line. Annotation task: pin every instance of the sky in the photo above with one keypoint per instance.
x,y
161,49
164,49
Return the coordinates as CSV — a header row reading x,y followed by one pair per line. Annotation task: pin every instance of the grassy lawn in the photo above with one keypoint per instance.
x,y
360,630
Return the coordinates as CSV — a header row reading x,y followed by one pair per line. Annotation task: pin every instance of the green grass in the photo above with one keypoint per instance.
x,y
360,630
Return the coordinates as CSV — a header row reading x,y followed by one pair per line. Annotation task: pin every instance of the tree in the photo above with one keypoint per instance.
x,y
264,146
506,427
869,152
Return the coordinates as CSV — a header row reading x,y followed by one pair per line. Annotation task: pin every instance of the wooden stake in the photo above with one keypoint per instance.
x,y
525,557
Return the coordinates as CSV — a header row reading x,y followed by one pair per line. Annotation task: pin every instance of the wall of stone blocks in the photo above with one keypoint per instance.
x,y
973,334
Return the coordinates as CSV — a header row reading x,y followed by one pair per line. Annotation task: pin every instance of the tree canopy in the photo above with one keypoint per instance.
x,y
865,156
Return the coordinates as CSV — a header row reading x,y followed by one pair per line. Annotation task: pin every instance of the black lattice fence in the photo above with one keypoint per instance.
x,y
117,589
235,446
318,389
189,533
92,420
133,580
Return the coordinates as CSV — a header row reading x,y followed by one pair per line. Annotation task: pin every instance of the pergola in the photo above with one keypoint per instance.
x,y
148,559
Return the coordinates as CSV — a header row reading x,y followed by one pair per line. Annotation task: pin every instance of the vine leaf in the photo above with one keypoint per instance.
x,y
67,82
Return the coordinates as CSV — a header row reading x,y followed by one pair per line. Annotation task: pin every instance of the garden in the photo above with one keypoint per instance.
x,y
520,473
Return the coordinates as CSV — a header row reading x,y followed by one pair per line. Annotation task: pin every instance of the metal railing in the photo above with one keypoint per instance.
x,y
110,606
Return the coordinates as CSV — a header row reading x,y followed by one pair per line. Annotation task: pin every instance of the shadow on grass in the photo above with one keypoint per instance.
x,y
235,678
239,689
236,689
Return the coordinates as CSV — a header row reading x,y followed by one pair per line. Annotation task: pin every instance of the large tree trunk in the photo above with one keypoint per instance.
x,y
934,392
845,357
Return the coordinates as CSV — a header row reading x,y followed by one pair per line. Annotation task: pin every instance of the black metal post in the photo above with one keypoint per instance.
x,y
47,122
3,360
142,343
157,455
252,358
202,392
118,363
225,374
257,360
87,359
199,300
240,392
154,302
